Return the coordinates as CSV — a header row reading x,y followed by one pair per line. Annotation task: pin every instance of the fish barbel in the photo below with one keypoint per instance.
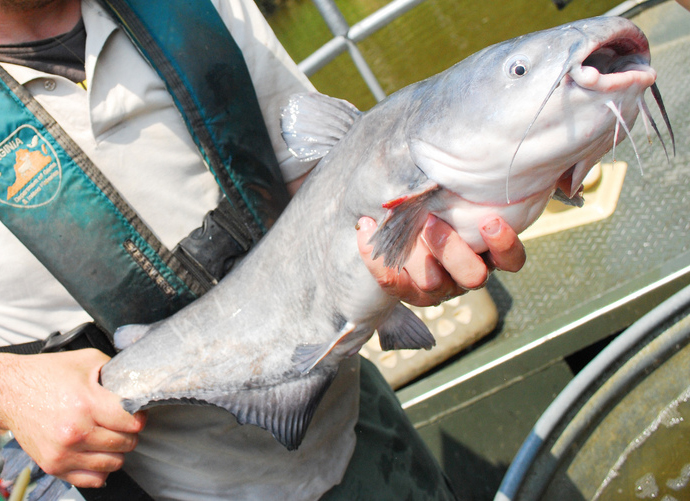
x,y
499,133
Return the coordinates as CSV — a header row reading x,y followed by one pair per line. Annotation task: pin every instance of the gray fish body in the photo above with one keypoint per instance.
x,y
267,341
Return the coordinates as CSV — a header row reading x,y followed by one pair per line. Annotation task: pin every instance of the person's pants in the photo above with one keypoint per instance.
x,y
390,462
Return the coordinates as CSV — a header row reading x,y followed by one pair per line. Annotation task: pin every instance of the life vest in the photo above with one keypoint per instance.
x,y
70,217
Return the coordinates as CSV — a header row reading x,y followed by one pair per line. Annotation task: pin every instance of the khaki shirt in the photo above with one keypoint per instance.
x,y
127,124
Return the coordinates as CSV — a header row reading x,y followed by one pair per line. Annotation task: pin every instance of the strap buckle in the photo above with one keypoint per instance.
x,y
210,251
57,341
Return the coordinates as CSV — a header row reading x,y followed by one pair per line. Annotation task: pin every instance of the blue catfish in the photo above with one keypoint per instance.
x,y
499,133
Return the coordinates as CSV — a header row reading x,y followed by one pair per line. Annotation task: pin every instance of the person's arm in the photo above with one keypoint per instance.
x,y
442,265
63,418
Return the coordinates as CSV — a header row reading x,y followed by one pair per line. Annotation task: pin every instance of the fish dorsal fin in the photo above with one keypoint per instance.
x,y
127,335
313,123
404,330
396,235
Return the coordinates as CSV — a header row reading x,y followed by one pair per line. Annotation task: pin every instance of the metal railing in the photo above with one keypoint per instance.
x,y
345,38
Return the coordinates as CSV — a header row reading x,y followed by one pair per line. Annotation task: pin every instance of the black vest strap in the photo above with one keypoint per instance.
x,y
87,335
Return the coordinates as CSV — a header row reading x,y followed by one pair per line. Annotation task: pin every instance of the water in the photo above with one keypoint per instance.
x,y
656,465
423,42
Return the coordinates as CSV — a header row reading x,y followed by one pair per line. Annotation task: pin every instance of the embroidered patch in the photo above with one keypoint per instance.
x,y
30,171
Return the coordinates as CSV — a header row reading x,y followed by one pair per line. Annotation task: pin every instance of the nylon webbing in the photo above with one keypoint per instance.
x,y
205,72
72,219
30,348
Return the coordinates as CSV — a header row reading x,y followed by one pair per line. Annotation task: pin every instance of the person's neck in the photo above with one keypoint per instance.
x,y
21,24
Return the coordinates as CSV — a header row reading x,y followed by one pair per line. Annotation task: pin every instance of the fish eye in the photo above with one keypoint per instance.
x,y
517,66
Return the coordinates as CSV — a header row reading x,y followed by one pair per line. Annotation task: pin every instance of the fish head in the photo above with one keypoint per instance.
x,y
531,114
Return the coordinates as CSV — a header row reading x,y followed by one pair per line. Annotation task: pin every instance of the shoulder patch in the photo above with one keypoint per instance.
x,y
30,170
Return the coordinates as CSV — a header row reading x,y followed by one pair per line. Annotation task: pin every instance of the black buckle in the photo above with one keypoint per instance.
x,y
210,251
57,341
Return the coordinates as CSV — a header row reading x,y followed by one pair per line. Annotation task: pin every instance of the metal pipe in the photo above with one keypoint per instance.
x,y
631,7
334,18
366,71
518,473
381,18
323,55
346,37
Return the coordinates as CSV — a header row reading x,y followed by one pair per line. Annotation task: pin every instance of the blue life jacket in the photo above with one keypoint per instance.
x,y
71,218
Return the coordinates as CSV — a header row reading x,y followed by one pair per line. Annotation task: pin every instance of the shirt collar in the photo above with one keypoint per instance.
x,y
99,27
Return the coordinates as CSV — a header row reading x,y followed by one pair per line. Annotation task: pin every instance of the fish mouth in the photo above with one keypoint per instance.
x,y
610,65
616,63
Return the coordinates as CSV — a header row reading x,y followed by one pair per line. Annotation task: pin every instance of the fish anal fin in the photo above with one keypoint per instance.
x,y
308,356
396,235
404,330
312,123
127,335
285,410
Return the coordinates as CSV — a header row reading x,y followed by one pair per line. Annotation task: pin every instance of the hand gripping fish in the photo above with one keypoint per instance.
x,y
497,134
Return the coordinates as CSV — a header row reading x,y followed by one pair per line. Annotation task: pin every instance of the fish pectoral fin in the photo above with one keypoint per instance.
x,y
313,123
574,201
395,237
308,356
404,330
285,409
127,335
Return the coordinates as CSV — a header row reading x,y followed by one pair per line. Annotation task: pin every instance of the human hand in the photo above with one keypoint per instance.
x,y
442,265
63,418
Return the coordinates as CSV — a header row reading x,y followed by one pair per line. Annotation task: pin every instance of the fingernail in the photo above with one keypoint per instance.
x,y
492,227
431,236
365,223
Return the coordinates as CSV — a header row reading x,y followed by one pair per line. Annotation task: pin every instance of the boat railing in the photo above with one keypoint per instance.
x,y
346,37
